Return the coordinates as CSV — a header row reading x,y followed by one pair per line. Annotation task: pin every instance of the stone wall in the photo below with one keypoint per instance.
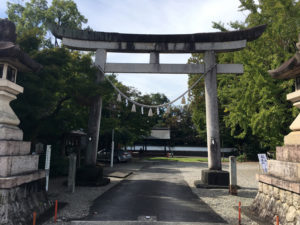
x,y
18,204
271,201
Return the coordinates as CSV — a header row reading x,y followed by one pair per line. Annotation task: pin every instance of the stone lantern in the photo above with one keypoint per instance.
x,y
21,183
279,188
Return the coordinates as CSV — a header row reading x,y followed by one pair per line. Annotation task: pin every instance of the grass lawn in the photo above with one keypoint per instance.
x,y
183,159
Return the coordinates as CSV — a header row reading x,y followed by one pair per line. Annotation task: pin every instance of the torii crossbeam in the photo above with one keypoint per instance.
x,y
207,43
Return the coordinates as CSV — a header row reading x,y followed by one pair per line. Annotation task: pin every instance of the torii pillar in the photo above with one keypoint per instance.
x,y
212,117
207,43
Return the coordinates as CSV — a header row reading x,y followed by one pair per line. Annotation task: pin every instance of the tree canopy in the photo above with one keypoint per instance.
x,y
254,113
57,99
253,109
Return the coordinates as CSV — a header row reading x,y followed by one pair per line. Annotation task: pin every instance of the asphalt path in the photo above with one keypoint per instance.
x,y
157,194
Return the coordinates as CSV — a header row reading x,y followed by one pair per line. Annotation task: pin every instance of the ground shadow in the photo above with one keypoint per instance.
x,y
164,196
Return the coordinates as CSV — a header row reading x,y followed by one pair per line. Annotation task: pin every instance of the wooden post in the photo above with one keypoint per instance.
x,y
212,117
232,176
72,173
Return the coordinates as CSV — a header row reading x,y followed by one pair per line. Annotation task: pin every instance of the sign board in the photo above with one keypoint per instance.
x,y
47,165
48,156
263,161
161,134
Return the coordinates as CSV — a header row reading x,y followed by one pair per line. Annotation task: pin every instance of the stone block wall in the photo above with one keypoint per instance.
x,y
22,185
271,201
18,204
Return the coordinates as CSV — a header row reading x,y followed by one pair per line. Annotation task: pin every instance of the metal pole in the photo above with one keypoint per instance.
x,y
112,148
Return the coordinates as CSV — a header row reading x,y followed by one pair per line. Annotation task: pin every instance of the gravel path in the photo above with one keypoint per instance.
x,y
219,200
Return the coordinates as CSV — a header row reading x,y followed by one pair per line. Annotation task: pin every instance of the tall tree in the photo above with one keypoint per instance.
x,y
254,105
32,20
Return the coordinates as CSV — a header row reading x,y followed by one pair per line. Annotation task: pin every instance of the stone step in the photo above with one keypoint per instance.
x,y
292,138
14,165
8,132
9,148
290,153
286,170
14,181
280,183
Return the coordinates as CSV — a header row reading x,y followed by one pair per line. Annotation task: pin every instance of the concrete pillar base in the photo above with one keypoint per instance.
x,y
213,179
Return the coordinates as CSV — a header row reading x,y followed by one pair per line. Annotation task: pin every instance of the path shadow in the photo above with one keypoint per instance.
x,y
167,201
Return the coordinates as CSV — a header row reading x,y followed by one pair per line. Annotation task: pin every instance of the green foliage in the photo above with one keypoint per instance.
x,y
242,158
129,126
183,131
33,17
254,113
50,105
65,13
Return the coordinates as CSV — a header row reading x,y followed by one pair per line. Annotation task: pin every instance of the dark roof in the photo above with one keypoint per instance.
x,y
247,34
10,52
8,31
290,68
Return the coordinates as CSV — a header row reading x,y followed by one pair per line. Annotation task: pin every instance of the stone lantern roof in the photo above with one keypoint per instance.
x,y
289,69
10,52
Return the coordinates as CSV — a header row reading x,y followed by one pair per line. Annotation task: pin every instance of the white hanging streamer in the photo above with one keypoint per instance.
x,y
133,109
119,99
150,113
161,105
168,109
183,100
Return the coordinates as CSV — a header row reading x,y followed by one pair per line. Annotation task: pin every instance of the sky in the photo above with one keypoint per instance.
x,y
154,17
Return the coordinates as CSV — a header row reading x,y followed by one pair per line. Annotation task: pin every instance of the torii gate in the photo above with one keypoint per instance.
x,y
207,43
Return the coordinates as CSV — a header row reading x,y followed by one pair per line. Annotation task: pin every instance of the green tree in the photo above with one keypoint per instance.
x,y
253,106
32,20
129,126
183,131
56,98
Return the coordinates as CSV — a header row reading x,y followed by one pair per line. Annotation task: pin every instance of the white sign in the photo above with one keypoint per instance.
x,y
161,134
48,156
47,165
263,162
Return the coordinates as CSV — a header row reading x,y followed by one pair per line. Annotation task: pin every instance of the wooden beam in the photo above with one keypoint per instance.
x,y
169,68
